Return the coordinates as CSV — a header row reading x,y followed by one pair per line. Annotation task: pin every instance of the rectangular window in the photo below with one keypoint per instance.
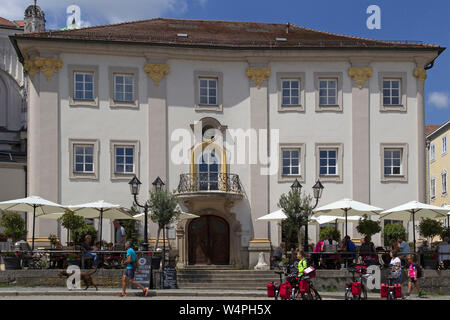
x,y
328,92
392,162
444,182
391,92
328,162
291,162
444,145
208,91
124,88
83,158
290,92
83,86
433,188
432,152
124,157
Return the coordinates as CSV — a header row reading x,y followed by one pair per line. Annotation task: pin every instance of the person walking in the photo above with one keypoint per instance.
x,y
131,267
413,272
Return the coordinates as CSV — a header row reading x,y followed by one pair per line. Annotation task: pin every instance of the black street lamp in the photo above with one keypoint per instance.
x,y
135,185
317,193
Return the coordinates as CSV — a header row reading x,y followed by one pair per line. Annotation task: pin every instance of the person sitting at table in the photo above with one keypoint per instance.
x,y
58,245
121,235
317,256
394,245
86,248
348,246
368,252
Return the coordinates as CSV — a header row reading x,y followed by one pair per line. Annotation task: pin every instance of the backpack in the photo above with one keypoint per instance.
x,y
419,271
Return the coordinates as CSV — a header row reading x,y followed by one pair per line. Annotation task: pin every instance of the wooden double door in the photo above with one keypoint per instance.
x,y
209,241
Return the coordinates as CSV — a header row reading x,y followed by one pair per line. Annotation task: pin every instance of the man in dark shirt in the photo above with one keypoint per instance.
x,y
86,245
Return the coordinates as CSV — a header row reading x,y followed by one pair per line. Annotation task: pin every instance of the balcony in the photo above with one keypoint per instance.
x,y
227,184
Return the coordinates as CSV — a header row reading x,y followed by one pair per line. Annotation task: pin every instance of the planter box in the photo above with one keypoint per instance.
x,y
74,262
11,263
430,264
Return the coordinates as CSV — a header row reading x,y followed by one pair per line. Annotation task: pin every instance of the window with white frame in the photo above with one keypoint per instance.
x,y
328,92
392,162
433,188
392,92
444,181
328,162
124,159
432,152
208,91
83,86
83,158
291,162
444,144
124,87
290,92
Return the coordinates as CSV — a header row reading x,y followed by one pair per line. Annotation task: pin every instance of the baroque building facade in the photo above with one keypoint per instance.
x,y
110,102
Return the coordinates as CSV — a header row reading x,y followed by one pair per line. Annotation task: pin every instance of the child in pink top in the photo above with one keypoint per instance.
x,y
413,275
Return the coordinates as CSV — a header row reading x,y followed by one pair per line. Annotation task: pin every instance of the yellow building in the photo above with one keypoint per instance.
x,y
438,164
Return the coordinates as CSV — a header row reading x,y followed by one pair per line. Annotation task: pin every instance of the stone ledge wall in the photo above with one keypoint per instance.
x,y
333,280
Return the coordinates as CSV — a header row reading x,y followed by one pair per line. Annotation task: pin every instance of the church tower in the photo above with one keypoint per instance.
x,y
34,19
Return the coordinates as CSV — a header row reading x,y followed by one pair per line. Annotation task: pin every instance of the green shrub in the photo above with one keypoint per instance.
x,y
392,232
327,231
79,234
14,225
430,228
368,227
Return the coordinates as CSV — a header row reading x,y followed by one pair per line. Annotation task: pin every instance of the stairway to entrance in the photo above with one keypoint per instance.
x,y
203,278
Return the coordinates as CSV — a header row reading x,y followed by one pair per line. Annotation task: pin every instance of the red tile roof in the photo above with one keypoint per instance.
x,y
429,128
228,34
11,24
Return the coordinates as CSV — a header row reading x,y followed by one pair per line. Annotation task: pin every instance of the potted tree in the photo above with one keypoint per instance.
x,y
368,227
73,223
430,228
391,233
14,226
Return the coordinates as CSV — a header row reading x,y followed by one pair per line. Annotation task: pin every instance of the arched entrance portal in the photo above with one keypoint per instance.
x,y
209,241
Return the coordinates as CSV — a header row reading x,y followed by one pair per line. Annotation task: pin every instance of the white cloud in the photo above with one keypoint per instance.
x,y
441,100
94,12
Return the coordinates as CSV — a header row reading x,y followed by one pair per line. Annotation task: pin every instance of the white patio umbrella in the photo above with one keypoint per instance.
x,y
345,208
273,216
100,209
412,210
35,204
335,219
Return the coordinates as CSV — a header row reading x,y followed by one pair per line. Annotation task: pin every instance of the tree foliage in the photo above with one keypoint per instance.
x,y
74,223
368,227
430,228
392,232
164,209
327,231
14,225
298,211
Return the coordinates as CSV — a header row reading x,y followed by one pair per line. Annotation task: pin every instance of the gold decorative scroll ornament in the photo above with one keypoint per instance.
x,y
360,75
258,75
420,74
156,71
47,66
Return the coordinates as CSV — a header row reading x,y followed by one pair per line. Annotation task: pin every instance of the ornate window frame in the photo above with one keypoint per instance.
x,y
125,71
301,175
339,177
94,69
125,143
329,75
402,76
78,175
208,74
403,177
300,76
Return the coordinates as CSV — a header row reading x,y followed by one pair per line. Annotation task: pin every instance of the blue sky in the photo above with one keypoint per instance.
x,y
427,21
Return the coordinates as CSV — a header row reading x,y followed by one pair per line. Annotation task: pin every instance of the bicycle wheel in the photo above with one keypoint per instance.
x,y
363,295
347,294
314,294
